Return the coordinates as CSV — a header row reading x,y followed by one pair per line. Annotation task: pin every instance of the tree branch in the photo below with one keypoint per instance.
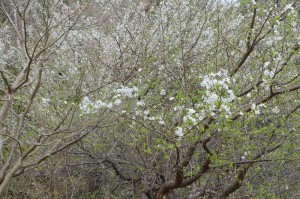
x,y
237,183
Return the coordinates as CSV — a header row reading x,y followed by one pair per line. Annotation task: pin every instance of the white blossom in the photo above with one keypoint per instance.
x,y
191,111
226,108
179,131
84,105
253,106
88,106
231,95
262,105
126,91
151,118
212,99
188,117
161,122
118,102
266,64
288,6
269,42
201,115
45,101
140,103
99,104
275,110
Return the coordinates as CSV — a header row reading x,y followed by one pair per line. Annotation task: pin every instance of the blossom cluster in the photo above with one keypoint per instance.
x,y
215,85
88,106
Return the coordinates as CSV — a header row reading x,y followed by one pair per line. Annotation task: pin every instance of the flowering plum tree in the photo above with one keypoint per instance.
x,y
207,95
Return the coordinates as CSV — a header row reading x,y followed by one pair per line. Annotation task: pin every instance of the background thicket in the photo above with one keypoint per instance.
x,y
149,99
